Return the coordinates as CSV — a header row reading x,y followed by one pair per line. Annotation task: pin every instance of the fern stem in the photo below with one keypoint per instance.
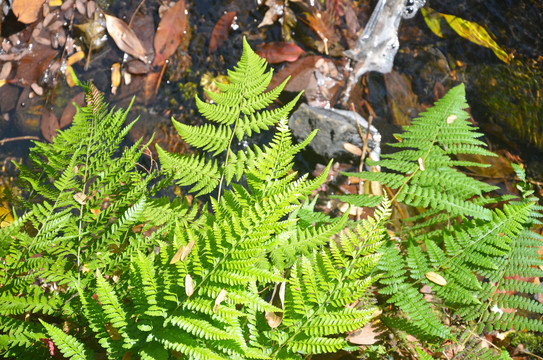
x,y
228,151
87,157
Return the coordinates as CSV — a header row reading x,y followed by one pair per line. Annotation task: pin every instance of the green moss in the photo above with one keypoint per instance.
x,y
530,341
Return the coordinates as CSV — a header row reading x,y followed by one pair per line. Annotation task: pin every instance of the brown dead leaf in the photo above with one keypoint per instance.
x,y
274,12
6,70
277,51
136,67
177,255
401,99
124,37
27,11
500,166
170,31
220,31
33,65
353,149
81,198
187,251
49,125
421,164
112,332
69,111
278,299
273,319
451,118
299,71
150,85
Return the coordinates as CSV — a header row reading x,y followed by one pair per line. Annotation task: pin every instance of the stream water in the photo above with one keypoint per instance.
x,y
497,92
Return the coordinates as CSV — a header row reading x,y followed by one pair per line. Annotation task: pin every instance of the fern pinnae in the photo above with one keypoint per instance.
x,y
69,346
317,290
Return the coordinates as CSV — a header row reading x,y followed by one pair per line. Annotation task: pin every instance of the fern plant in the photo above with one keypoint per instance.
x,y
477,259
85,197
152,278
238,110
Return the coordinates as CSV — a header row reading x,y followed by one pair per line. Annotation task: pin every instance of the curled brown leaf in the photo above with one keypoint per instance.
x,y
124,37
170,32
220,31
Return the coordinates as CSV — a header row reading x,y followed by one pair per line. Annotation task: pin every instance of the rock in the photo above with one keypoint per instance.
x,y
336,127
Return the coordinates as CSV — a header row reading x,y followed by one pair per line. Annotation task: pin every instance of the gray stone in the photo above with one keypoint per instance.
x,y
336,127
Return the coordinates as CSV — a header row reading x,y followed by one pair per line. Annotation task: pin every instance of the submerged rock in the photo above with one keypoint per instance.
x,y
336,127
509,96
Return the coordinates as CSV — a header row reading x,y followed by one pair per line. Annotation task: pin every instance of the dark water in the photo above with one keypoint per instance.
x,y
515,24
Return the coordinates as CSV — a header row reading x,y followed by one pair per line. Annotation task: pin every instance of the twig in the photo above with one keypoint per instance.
x,y
135,12
396,203
530,354
18,138
365,140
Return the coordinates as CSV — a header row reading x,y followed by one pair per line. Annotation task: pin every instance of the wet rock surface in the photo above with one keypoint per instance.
x,y
336,127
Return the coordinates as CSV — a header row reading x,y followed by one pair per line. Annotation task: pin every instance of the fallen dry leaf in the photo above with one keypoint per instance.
x,y
436,278
187,251
277,52
353,149
220,298
115,77
112,332
177,255
170,31
69,111
6,70
189,285
421,164
274,12
33,65
273,319
27,11
403,102
81,198
49,125
151,83
124,37
299,71
220,31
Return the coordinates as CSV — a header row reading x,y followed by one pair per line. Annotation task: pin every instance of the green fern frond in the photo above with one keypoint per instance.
x,y
426,176
207,137
111,305
238,110
69,346
189,170
322,284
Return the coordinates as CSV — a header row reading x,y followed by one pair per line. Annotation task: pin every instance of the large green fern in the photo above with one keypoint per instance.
x,y
85,198
240,109
476,260
144,277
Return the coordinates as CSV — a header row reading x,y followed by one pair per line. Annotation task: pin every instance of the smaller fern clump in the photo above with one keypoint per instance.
x,y
474,258
85,196
98,266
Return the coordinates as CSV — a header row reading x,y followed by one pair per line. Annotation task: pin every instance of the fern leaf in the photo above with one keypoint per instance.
x,y
189,170
206,137
69,346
